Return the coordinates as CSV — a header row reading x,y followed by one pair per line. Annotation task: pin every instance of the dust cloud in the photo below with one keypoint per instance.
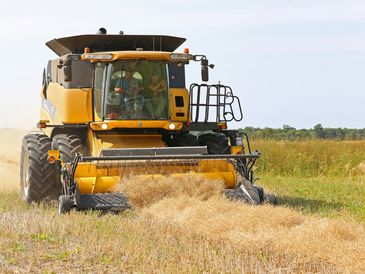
x,y
10,147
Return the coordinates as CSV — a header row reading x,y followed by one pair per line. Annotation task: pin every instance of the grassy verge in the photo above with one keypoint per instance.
x,y
326,197
322,177
313,158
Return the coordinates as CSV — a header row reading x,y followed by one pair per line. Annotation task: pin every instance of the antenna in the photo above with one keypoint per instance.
x,y
160,23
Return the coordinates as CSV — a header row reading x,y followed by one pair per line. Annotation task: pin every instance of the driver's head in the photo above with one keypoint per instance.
x,y
154,78
128,74
130,66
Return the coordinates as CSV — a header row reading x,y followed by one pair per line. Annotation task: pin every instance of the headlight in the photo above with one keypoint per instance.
x,y
98,56
104,126
172,126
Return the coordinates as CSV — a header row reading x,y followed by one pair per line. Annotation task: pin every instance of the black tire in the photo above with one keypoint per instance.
x,y
217,143
260,191
38,178
236,194
184,140
270,199
64,204
68,145
249,195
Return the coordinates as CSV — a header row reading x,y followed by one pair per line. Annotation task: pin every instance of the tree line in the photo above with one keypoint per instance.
x,y
317,132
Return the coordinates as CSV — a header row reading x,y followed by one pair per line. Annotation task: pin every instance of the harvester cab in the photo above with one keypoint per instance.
x,y
116,105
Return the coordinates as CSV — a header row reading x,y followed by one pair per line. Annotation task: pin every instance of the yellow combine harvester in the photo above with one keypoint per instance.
x,y
117,105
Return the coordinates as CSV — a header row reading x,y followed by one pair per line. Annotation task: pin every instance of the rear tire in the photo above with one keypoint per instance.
x,y
184,140
38,178
68,145
217,143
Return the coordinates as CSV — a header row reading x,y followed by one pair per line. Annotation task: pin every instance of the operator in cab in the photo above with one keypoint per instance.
x,y
158,92
132,101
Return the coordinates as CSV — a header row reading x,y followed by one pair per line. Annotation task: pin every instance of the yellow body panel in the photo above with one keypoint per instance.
x,y
104,140
131,141
79,106
174,110
237,150
67,106
105,177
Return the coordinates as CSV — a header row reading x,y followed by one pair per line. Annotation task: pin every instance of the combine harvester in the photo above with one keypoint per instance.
x,y
117,105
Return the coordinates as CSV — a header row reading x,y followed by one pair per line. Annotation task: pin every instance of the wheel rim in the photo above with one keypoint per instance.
x,y
26,174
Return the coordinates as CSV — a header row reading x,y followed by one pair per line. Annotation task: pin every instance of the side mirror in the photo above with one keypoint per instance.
x,y
205,74
204,66
67,73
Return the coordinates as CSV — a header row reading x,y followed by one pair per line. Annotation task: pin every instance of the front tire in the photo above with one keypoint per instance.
x,y
217,143
38,178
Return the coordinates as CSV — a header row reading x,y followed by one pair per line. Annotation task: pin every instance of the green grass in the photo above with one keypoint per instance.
x,y
327,197
313,158
325,178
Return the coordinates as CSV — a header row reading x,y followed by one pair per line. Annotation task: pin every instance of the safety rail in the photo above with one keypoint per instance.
x,y
253,155
217,101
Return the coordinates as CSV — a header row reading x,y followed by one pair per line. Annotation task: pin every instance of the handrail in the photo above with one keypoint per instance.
x,y
204,98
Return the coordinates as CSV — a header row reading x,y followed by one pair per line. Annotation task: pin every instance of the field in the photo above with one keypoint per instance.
x,y
318,226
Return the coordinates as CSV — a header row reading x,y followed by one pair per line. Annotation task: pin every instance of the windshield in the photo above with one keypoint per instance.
x,y
131,90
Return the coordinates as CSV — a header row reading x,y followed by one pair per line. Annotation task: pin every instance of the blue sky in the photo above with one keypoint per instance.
x,y
291,62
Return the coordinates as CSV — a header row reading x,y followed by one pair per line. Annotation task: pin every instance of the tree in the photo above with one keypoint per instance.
x,y
319,131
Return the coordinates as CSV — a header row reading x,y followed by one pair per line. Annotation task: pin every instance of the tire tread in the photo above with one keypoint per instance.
x,y
43,181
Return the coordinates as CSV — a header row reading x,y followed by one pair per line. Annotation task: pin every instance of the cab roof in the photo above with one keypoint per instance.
x,y
111,42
